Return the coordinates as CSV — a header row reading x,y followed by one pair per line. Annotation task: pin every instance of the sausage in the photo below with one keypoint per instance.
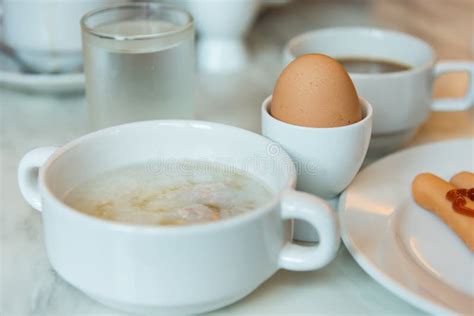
x,y
463,180
429,191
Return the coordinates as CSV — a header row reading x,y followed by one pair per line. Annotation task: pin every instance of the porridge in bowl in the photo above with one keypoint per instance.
x,y
171,193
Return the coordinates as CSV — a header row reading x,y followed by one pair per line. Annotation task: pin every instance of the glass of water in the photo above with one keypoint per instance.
x,y
138,63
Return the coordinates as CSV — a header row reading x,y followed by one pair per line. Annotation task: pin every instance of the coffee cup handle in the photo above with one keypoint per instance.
x,y
28,172
455,104
318,213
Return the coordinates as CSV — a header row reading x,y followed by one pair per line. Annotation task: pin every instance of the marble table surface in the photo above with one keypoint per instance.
x,y
29,286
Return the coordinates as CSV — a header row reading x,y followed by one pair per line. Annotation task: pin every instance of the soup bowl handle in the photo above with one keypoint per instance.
x,y
318,213
28,172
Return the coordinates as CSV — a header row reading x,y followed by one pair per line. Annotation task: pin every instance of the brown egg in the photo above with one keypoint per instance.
x,y
315,91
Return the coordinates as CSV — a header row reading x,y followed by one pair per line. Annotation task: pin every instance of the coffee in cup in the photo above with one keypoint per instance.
x,y
360,65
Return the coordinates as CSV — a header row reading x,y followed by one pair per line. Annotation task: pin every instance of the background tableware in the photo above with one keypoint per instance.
x,y
173,269
327,159
45,34
405,248
44,83
14,74
401,100
222,27
138,63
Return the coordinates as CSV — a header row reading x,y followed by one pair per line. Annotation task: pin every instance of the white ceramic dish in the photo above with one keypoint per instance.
x,y
12,76
39,44
64,83
173,269
46,34
402,246
327,159
402,101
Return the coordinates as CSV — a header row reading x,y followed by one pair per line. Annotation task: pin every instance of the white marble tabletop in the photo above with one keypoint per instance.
x,y
29,286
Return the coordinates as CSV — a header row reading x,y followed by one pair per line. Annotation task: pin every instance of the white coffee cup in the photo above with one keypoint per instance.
x,y
173,269
45,34
401,100
327,159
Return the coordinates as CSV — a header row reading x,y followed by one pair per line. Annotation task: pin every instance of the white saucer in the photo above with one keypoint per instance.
x,y
384,144
11,76
402,246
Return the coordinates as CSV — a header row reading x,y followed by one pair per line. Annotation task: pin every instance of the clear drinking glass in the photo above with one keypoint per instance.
x,y
138,63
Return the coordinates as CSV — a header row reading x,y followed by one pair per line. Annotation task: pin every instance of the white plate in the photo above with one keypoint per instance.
x,y
402,246
11,76
58,83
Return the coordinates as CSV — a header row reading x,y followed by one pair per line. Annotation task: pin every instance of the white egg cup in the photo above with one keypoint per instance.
x,y
327,159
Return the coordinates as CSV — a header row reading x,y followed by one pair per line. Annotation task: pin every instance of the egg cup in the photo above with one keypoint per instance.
x,y
327,159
